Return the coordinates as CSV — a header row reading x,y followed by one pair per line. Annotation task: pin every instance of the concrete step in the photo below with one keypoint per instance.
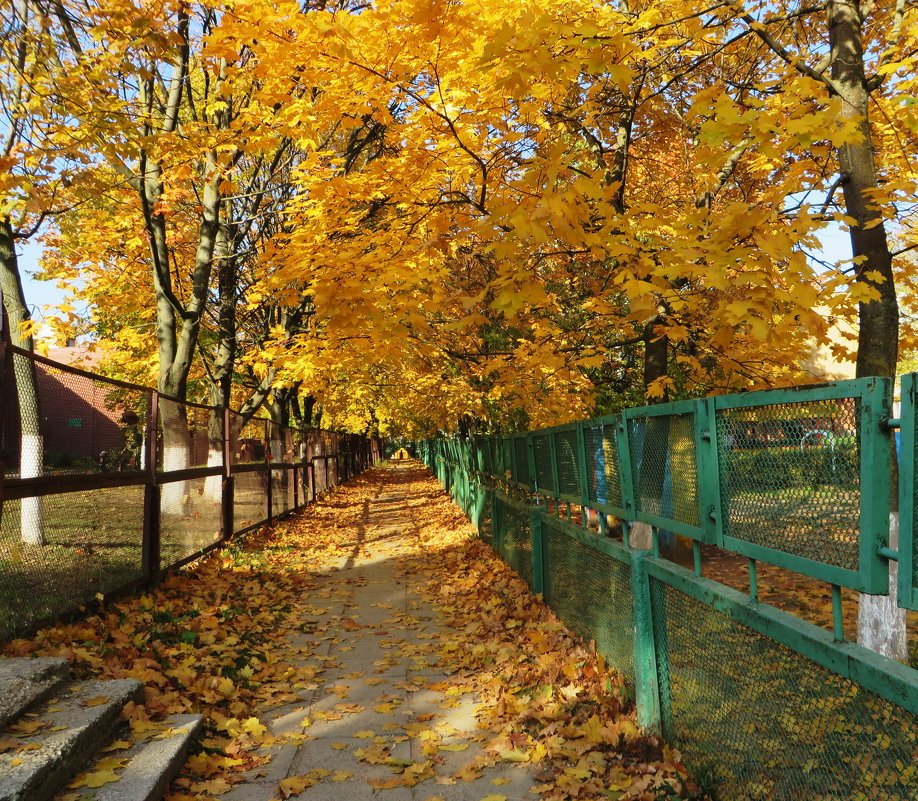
x,y
150,764
26,681
48,745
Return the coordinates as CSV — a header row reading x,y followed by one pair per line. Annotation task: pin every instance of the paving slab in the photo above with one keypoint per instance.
x,y
365,731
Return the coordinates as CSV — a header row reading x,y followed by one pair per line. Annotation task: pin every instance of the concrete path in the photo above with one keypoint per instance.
x,y
378,721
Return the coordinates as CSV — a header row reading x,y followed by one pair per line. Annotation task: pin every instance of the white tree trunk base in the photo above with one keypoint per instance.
x,y
31,465
174,495
881,624
640,536
213,485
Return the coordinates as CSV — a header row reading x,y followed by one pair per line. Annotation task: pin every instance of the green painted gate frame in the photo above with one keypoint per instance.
x,y
874,394
704,532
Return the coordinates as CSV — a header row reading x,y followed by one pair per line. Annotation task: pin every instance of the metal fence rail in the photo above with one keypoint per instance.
x,y
105,484
766,706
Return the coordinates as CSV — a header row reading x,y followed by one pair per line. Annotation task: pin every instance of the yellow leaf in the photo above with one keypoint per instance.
x,y
339,746
341,775
94,779
513,755
494,797
294,785
254,727
386,784
27,727
97,701
454,747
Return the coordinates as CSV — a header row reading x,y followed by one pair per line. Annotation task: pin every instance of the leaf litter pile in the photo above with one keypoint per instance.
x,y
235,638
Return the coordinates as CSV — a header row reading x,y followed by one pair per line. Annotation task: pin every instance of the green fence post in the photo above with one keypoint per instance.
x,y
625,475
535,527
908,542
708,471
876,447
646,677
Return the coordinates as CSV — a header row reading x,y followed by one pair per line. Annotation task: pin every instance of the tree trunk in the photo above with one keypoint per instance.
x,y
173,418
31,443
221,372
881,623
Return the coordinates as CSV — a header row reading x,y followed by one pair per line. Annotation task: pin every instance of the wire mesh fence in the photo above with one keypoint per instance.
x,y
766,722
765,706
104,484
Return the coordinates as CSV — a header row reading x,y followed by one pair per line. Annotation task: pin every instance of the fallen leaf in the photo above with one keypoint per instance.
x,y
386,784
94,779
24,728
97,701
294,785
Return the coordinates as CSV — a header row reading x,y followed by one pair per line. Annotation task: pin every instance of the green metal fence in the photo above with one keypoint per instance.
x,y
765,706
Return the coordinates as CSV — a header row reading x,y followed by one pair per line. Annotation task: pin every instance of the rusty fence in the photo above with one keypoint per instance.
x,y
105,484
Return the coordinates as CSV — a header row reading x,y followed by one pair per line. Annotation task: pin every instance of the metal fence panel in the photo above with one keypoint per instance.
x,y
190,517
663,449
512,537
759,720
544,465
604,486
93,543
69,422
804,479
567,463
589,588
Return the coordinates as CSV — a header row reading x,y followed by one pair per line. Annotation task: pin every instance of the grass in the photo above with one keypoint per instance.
x,y
94,545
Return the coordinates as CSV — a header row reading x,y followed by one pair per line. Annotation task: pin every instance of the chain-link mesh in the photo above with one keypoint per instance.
x,y
189,436
250,498
190,516
247,440
790,478
568,464
541,449
591,592
764,723
281,491
59,551
56,422
520,460
506,457
514,537
603,478
664,466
